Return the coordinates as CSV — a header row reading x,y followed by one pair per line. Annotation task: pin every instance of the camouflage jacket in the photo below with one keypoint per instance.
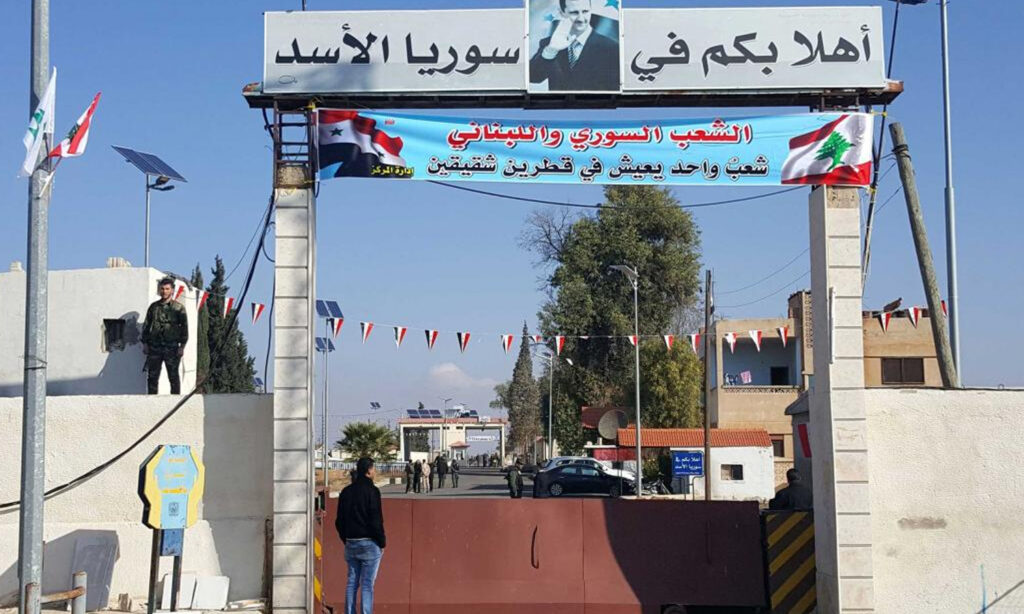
x,y
166,325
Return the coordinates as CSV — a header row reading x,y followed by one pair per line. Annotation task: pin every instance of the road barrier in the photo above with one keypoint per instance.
x,y
789,561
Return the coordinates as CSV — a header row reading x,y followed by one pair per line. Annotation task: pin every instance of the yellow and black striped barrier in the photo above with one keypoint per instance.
x,y
789,561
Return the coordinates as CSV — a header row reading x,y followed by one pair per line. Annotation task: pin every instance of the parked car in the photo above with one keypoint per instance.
x,y
559,461
579,479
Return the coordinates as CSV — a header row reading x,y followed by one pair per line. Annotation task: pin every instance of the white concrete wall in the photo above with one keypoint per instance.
x,y
758,483
234,437
79,301
947,496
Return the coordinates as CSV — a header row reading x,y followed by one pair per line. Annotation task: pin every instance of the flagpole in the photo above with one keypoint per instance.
x,y
33,425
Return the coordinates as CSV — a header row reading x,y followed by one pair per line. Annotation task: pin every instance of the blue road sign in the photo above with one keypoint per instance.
x,y
687,463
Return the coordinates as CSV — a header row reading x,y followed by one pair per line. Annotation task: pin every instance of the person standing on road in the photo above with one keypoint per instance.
x,y
417,477
408,476
428,477
455,473
796,496
164,335
442,471
360,526
515,480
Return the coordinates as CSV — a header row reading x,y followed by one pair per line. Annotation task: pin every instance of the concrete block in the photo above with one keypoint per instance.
x,y
850,435
292,312
291,497
211,593
291,343
846,373
290,402
291,282
849,342
290,529
844,251
851,466
855,561
291,434
290,373
290,559
289,592
291,465
856,595
292,251
853,498
848,309
846,280
185,591
292,222
848,404
853,529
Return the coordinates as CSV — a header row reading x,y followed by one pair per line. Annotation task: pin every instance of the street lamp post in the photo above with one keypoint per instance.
x,y
634,279
551,357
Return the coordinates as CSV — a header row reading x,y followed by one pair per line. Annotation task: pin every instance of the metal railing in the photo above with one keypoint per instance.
x,y
750,388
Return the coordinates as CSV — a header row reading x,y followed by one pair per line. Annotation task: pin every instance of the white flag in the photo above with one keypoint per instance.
x,y
39,125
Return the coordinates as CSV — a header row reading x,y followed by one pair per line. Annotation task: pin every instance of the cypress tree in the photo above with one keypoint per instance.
x,y
202,333
523,399
231,368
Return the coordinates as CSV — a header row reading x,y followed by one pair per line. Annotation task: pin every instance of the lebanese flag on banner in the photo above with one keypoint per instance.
x,y
350,145
366,328
755,336
400,335
669,340
694,341
229,303
179,291
731,340
915,315
506,342
431,338
838,153
78,137
559,344
335,325
257,311
783,334
633,340
884,318
463,340
203,295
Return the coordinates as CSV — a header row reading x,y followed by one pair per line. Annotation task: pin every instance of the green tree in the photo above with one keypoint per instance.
x,y
361,439
523,398
671,383
231,367
202,333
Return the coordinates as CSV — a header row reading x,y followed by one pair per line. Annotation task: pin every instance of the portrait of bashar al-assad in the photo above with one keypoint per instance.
x,y
574,45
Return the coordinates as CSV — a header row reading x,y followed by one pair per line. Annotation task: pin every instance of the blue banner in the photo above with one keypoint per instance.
x,y
687,463
809,149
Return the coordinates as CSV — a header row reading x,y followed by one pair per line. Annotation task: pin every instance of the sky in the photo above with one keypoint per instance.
x,y
424,256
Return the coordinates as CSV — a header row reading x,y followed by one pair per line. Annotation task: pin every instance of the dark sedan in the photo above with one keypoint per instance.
x,y
578,479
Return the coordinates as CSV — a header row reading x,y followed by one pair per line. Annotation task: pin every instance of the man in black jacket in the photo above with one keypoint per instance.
x,y
575,57
796,496
442,471
360,526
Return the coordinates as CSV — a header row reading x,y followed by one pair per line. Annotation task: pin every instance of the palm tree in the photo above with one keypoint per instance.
x,y
368,439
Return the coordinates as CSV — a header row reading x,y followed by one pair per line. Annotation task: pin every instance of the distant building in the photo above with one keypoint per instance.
x,y
94,331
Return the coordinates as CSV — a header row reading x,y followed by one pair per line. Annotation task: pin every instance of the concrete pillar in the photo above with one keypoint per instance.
x,y
293,399
838,429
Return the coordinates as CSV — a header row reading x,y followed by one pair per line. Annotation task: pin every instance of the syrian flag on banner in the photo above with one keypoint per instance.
x,y
400,335
755,336
350,145
179,291
463,340
506,342
335,325
203,295
431,338
632,340
229,304
884,318
559,344
838,153
39,125
257,311
783,334
915,315
78,137
669,340
366,328
730,338
694,341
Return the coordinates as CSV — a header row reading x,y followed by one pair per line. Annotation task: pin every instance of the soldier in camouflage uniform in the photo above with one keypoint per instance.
x,y
164,335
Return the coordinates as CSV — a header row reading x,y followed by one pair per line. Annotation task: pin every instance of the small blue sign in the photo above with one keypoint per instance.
x,y
687,463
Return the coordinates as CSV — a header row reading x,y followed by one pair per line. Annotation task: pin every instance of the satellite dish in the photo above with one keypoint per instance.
x,y
610,423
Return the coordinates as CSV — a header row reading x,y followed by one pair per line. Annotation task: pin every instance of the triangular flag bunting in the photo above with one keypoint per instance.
x,y
694,342
257,311
203,295
179,291
538,339
229,304
463,340
559,344
400,335
945,311
506,342
366,328
914,313
633,340
755,336
431,338
335,325
783,334
884,318
730,338
669,340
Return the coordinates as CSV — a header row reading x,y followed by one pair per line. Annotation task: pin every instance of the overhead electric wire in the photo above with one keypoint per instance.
x,y
766,277
766,297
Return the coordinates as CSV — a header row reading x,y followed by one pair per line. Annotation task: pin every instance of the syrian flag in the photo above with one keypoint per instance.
x,y
884,318
538,339
351,145
78,137
203,295
915,314
755,336
669,340
335,325
431,338
730,338
39,126
633,340
838,153
463,340
179,291
783,334
945,312
506,342
694,342
559,344
366,328
229,303
257,311
400,335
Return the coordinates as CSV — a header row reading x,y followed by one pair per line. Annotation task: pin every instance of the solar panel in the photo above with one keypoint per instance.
x,y
149,164
435,413
334,309
257,382
321,309
330,345
320,345
413,413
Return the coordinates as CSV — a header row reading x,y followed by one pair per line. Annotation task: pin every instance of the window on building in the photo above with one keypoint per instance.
x,y
780,376
732,472
778,446
113,334
897,371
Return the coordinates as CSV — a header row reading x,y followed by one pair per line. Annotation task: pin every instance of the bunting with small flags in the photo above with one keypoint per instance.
x,y
884,318
463,338
538,339
559,344
945,311
229,304
335,325
400,335
179,291
730,338
203,295
914,313
366,328
755,336
257,311
506,342
694,342
431,338
633,340
669,340
783,334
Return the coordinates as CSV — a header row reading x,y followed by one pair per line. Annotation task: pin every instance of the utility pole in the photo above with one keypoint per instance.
x,y
951,275
33,426
707,385
943,349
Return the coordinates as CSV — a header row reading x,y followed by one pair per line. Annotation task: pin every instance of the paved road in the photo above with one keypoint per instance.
x,y
473,482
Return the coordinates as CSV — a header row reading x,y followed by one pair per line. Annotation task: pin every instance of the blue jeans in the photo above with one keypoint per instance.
x,y
363,558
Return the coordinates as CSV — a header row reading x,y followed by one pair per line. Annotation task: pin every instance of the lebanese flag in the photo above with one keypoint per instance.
x,y
559,344
257,311
694,342
76,140
366,328
731,340
463,340
783,334
350,145
229,303
335,325
755,336
400,335
203,295
431,338
669,340
506,342
838,153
